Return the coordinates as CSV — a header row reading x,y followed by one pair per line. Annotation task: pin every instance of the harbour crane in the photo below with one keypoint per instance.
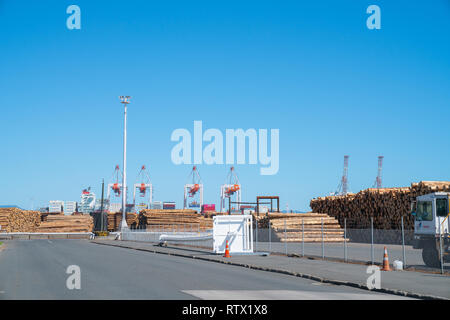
x,y
231,189
193,190
144,187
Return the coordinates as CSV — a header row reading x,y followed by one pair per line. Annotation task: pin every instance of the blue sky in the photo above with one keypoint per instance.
x,y
312,70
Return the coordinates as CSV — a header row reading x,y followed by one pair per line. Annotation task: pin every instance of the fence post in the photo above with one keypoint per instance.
x,y
441,256
403,245
270,237
345,239
303,237
285,237
323,247
371,240
256,236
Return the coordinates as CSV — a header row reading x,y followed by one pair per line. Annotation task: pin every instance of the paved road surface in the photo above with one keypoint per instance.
x,y
36,269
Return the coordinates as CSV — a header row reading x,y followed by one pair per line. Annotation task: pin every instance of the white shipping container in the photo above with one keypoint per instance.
x,y
70,207
55,206
157,205
263,209
115,207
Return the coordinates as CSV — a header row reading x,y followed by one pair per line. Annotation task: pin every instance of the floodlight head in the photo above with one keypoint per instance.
x,y
125,99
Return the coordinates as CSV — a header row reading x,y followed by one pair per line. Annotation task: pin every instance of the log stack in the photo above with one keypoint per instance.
x,y
386,205
62,223
24,221
17,220
4,214
174,220
46,214
115,219
298,227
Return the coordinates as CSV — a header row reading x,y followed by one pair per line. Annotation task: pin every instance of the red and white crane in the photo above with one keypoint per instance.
x,y
193,191
145,188
231,190
116,187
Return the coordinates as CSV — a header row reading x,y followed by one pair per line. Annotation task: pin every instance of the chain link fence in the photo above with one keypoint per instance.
x,y
340,242
321,239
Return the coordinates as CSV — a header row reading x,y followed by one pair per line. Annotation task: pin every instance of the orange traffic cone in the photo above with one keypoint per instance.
x,y
227,251
386,261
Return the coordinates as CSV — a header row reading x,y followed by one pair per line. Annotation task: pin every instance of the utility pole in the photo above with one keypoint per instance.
x,y
125,100
101,204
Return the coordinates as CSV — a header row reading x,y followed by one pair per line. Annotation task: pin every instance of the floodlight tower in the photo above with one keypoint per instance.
x,y
145,187
125,100
343,185
231,188
378,181
192,189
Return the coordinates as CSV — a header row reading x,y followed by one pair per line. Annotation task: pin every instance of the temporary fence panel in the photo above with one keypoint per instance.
x,y
237,230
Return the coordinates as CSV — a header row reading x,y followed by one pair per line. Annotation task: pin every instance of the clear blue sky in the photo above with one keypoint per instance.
x,y
312,70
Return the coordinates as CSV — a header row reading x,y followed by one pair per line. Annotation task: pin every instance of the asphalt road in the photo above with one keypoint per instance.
x,y
36,269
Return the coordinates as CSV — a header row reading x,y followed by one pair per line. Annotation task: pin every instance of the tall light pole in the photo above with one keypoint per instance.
x,y
123,225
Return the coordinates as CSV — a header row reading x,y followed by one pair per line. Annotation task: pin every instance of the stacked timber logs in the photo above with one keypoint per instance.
x,y
115,219
386,206
298,227
17,220
179,220
4,214
24,221
62,223
46,214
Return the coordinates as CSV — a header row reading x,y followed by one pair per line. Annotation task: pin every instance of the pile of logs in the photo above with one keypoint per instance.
x,y
62,223
17,220
4,214
115,219
46,214
298,227
179,220
386,206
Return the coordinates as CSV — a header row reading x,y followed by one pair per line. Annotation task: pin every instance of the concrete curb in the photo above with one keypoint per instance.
x,y
286,272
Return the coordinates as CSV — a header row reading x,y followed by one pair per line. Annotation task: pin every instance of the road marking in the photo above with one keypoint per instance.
x,y
286,295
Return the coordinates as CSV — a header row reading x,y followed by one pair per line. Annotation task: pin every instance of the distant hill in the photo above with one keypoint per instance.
x,y
10,206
